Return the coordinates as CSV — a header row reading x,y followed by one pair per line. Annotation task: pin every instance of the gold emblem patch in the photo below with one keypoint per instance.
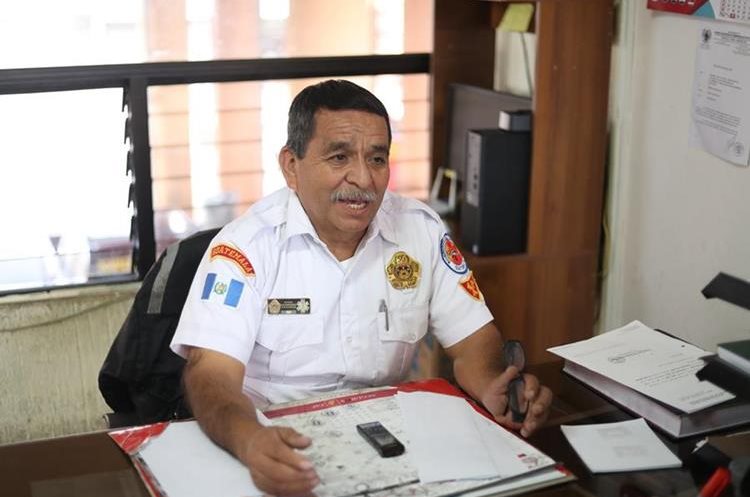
x,y
402,271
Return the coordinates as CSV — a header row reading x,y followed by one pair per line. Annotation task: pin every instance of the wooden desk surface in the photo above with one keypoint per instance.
x,y
91,465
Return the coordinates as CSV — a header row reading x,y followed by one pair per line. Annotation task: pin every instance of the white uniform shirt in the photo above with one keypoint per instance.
x,y
270,294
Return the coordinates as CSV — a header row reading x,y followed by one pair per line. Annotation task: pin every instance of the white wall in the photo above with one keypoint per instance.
x,y
52,345
677,216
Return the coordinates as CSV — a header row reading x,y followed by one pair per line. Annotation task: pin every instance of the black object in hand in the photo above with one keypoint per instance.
x,y
513,355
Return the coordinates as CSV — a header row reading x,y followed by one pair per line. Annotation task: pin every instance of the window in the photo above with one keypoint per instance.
x,y
63,189
213,146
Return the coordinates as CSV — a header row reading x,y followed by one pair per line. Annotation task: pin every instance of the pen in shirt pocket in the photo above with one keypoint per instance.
x,y
384,309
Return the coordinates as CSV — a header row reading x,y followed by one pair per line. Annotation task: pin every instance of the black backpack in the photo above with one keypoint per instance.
x,y
141,378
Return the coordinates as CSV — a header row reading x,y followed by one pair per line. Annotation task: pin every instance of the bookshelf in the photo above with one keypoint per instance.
x,y
548,295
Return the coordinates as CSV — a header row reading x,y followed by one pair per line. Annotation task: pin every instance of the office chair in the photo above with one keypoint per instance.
x,y
141,378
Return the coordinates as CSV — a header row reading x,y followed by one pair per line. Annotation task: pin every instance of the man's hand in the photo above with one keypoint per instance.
x,y
275,466
539,398
478,364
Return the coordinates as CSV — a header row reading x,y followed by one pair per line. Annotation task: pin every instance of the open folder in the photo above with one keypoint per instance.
x,y
346,464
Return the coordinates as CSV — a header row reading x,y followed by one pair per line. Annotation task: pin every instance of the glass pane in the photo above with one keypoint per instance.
x,y
214,147
86,32
63,189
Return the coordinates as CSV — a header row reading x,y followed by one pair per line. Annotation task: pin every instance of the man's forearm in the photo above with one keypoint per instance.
x,y
475,376
478,360
222,410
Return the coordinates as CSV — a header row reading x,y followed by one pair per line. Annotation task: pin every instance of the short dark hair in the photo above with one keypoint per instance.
x,y
334,94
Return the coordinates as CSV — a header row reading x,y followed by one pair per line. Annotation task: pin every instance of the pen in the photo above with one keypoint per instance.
x,y
715,485
384,308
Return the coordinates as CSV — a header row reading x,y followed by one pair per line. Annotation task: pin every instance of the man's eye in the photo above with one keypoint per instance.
x,y
381,161
338,158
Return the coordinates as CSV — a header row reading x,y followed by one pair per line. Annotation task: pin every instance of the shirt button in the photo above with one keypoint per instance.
x,y
349,339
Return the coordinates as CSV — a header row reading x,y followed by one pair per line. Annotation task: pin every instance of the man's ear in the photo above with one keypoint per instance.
x,y
288,163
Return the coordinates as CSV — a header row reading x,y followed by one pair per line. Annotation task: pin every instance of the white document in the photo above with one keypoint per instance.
x,y
510,454
720,121
649,362
438,426
449,440
624,446
186,463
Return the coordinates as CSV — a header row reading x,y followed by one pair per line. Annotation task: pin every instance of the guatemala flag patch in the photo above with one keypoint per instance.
x,y
226,290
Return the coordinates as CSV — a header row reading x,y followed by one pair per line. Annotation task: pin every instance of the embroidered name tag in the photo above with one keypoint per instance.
x,y
288,306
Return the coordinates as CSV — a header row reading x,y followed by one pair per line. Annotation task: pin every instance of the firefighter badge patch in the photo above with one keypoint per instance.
x,y
402,271
451,256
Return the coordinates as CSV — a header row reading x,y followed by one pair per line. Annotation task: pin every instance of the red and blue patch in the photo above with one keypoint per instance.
x,y
452,256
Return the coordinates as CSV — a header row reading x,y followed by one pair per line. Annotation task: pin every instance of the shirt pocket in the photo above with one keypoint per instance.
x,y
295,343
399,334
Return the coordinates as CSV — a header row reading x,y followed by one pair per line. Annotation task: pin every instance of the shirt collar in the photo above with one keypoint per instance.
x,y
383,222
298,222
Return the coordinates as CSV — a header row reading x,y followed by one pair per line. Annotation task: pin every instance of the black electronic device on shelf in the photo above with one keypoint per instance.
x,y
494,212
472,107
489,148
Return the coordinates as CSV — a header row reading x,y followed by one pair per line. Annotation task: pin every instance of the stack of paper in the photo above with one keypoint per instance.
x,y
449,440
186,463
450,449
653,375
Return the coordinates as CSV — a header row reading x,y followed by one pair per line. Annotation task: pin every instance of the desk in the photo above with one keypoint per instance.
x,y
91,465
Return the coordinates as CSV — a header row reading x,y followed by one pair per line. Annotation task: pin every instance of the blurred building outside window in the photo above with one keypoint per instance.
x,y
63,188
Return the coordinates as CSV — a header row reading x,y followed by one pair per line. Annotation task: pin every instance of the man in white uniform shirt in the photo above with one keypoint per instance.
x,y
329,284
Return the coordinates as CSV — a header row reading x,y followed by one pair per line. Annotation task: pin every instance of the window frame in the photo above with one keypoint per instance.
x,y
135,80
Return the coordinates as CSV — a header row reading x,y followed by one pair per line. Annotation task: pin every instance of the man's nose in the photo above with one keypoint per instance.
x,y
359,173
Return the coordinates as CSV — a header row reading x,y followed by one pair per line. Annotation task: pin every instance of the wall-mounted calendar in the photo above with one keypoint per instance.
x,y
725,10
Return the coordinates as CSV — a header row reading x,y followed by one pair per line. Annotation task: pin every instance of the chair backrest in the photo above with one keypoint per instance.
x,y
141,378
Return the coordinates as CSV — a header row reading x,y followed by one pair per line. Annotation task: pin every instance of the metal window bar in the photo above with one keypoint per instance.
x,y
135,79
